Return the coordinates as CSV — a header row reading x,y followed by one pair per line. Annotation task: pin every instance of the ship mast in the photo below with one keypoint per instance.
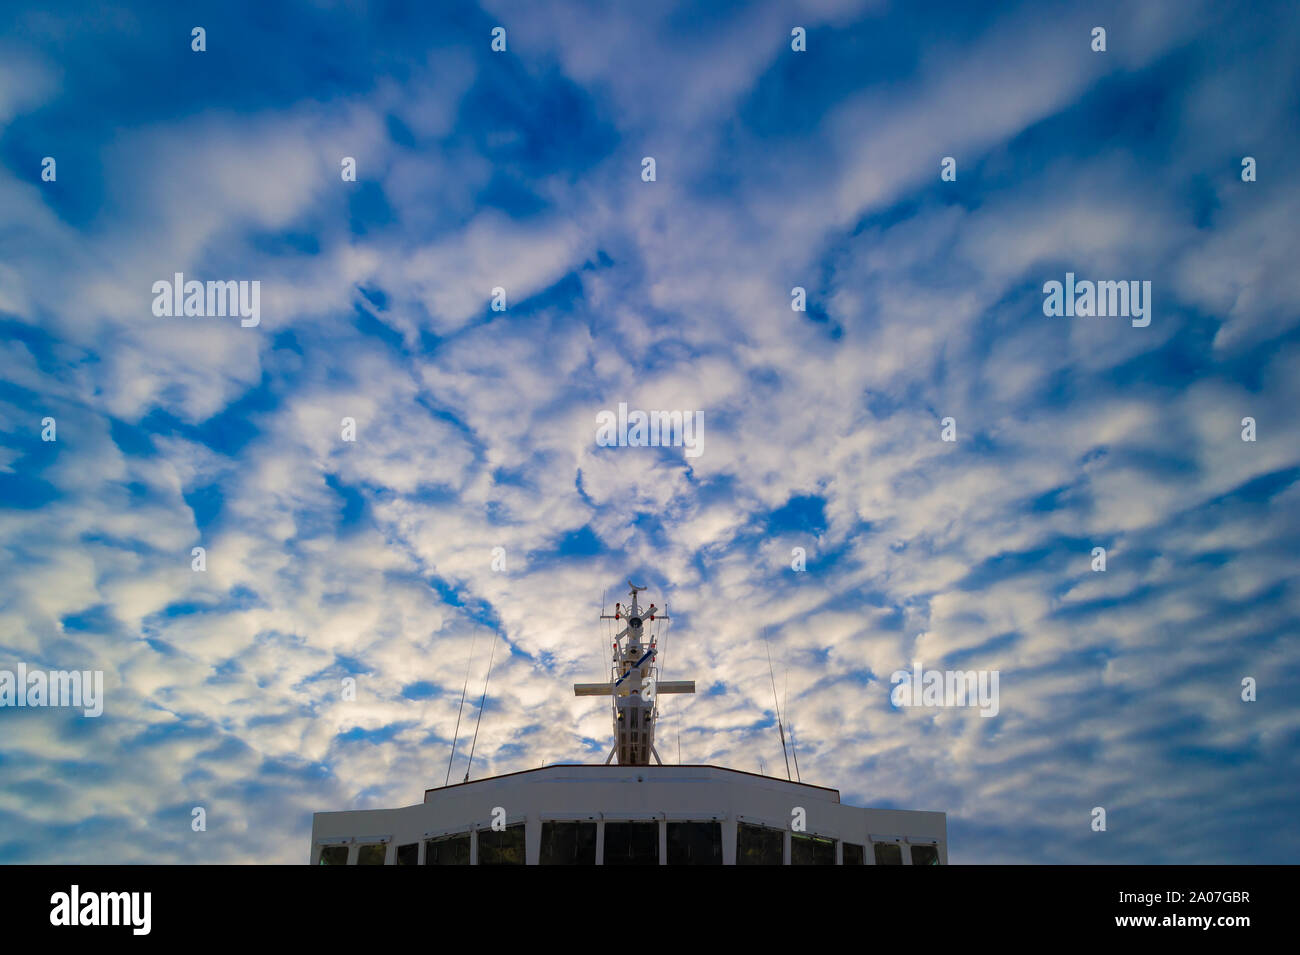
x,y
634,683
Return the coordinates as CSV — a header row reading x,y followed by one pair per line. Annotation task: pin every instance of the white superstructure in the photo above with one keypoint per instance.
x,y
632,812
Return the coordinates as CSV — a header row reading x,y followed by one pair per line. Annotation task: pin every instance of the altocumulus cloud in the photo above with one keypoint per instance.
x,y
372,560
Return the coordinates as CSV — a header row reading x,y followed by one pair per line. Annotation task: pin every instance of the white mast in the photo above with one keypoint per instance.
x,y
633,684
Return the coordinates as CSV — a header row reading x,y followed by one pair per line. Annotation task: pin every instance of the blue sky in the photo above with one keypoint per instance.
x,y
476,429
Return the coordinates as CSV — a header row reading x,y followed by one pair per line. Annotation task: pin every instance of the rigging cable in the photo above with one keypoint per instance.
x,y
794,750
776,704
604,626
661,633
491,656
456,735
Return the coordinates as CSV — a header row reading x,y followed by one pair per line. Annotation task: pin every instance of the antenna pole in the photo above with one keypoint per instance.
x,y
455,736
794,751
776,705
634,685
491,656
796,754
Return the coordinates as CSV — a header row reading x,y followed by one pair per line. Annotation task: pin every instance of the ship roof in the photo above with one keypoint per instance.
x,y
616,770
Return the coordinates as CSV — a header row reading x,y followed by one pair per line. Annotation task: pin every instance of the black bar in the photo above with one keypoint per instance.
x,y
907,904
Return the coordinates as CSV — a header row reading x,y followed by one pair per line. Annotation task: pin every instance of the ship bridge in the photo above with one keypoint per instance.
x,y
630,812
630,815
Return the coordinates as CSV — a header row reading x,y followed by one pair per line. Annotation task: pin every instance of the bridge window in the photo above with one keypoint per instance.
x,y
887,853
372,855
449,850
925,855
408,854
853,854
759,845
568,843
631,843
811,850
695,843
334,855
501,848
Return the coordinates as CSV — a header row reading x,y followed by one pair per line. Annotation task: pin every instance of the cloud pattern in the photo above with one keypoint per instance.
x,y
372,559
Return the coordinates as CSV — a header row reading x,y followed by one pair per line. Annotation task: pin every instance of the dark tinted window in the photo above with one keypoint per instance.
x,y
810,850
925,855
501,848
449,850
408,854
759,845
695,843
334,855
631,843
888,854
568,843
853,854
372,855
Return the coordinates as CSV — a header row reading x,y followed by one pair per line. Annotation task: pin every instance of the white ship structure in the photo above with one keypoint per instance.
x,y
630,810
